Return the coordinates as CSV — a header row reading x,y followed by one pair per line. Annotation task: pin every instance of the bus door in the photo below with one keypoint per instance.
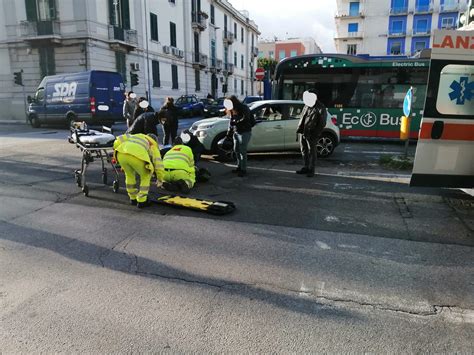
x,y
445,151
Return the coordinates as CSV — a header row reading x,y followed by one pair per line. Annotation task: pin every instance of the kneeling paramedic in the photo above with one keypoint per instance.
x,y
180,173
139,154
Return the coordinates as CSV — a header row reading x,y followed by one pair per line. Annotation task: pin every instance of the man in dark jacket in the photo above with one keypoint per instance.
x,y
169,121
310,127
146,123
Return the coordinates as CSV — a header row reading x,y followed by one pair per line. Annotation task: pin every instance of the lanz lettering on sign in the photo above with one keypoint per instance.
x,y
65,89
458,42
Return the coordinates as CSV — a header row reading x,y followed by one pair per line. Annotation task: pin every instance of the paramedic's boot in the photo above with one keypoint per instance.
x,y
183,187
236,171
310,173
170,186
303,170
143,204
133,202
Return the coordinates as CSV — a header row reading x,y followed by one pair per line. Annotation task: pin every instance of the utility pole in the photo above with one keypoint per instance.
x,y
148,95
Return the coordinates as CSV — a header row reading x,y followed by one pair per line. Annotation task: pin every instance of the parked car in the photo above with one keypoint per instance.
x,y
249,99
275,130
213,108
93,96
190,106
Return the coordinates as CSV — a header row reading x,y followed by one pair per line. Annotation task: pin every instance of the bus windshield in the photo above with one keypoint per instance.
x,y
365,95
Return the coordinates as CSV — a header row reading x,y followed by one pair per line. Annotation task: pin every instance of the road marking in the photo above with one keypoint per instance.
x,y
348,246
322,245
332,219
372,151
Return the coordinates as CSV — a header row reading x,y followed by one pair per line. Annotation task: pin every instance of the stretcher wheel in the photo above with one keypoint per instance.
x,y
115,186
104,176
85,190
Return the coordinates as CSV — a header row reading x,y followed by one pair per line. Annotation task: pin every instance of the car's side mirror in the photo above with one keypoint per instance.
x,y
29,99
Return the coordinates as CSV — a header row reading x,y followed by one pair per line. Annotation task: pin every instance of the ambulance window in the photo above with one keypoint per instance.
x,y
456,90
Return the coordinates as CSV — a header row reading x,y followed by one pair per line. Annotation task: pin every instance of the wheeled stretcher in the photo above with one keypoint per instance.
x,y
94,145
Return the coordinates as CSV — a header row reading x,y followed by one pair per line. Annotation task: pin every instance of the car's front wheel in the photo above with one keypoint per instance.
x,y
326,145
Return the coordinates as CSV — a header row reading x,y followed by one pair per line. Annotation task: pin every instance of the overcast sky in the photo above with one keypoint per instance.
x,y
293,18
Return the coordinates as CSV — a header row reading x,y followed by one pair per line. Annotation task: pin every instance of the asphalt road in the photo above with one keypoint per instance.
x,y
352,260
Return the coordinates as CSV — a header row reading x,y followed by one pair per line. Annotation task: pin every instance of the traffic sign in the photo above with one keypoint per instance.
x,y
259,73
407,102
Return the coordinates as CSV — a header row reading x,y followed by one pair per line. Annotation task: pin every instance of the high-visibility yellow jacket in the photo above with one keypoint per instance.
x,y
180,157
142,147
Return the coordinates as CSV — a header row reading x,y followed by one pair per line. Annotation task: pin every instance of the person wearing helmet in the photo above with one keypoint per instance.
x,y
139,154
180,173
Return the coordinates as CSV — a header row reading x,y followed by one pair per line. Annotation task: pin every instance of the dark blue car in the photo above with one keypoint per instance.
x,y
190,106
93,96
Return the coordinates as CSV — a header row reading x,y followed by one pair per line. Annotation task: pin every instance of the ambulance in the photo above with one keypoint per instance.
x,y
445,151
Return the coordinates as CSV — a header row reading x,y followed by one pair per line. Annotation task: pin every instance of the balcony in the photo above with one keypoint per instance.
x,y
396,33
199,60
421,32
346,15
41,31
228,37
198,21
122,38
215,65
255,51
219,65
399,10
449,7
424,9
228,68
350,35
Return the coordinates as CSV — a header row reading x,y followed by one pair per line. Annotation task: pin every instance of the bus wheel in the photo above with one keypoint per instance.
x,y
34,121
326,145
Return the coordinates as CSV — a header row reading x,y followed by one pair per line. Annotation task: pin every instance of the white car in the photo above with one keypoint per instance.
x,y
275,130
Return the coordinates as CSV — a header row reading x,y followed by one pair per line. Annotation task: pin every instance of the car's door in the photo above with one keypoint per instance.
x,y
267,134
292,117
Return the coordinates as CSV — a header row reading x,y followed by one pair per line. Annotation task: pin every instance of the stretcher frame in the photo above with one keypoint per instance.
x,y
90,152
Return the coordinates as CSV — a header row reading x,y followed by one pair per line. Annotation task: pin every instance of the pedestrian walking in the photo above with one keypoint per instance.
x,y
129,105
310,127
169,121
139,154
240,130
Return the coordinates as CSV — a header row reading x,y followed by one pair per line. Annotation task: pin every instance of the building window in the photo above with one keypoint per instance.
x,y
397,26
271,54
354,8
419,43
174,76
242,35
447,22
419,46
235,30
213,16
173,34
352,49
235,85
213,53
155,68
196,48
281,54
241,61
121,65
261,54
172,1
353,27
47,62
293,53
399,6
225,23
154,26
235,59
423,5
421,25
241,87
226,56
197,78
396,47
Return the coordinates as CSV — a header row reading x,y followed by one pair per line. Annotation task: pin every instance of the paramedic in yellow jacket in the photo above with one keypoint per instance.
x,y
179,168
139,154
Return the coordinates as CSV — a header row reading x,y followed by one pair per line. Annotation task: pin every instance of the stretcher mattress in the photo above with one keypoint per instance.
x,y
93,138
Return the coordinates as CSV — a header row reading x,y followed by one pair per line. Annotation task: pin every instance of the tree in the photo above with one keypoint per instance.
x,y
269,64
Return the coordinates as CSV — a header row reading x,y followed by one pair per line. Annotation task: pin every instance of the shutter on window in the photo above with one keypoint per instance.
x,y
111,12
31,13
52,9
125,14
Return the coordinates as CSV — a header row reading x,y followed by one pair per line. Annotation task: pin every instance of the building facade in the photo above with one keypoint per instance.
x,y
392,27
279,50
175,47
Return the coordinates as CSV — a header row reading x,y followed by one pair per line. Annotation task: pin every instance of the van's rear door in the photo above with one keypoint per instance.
x,y
445,151
108,91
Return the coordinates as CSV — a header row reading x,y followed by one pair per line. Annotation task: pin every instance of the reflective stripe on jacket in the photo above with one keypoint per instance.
x,y
142,147
179,157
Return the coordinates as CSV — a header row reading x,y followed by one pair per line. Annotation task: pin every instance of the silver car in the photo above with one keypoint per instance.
x,y
275,130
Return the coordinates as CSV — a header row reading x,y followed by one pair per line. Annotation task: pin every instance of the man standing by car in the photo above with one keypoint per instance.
x,y
129,106
169,121
310,127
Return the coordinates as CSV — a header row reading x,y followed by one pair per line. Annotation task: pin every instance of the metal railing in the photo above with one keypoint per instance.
x,y
228,36
449,7
399,10
396,32
423,8
421,31
126,36
198,20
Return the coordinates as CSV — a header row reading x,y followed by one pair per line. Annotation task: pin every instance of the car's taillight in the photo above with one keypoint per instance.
x,y
334,120
92,104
